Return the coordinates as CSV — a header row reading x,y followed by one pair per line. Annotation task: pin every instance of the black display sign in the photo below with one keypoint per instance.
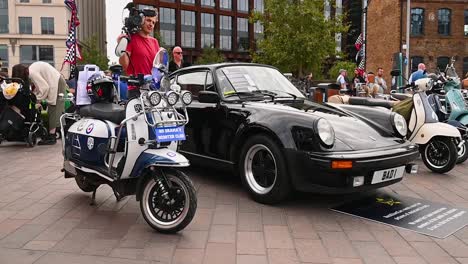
x,y
425,217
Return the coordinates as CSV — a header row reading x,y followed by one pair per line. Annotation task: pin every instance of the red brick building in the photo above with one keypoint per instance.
x,y
439,30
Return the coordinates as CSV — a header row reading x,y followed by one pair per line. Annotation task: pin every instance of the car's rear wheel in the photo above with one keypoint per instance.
x,y
262,167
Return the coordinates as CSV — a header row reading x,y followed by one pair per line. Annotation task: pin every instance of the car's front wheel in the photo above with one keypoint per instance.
x,y
263,170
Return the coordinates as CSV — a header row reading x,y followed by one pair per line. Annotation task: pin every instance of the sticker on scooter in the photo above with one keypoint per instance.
x,y
90,128
168,134
171,154
90,143
138,108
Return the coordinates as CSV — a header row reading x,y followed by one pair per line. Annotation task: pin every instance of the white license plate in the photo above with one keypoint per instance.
x,y
388,174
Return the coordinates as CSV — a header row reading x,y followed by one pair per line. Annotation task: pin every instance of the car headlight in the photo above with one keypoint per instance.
x,y
399,124
172,98
326,133
186,97
154,98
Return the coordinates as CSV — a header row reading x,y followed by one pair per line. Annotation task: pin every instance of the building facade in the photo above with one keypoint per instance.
x,y
32,30
438,31
92,14
220,24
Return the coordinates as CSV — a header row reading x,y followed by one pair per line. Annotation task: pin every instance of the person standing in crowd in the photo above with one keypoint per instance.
x,y
177,61
141,50
341,79
357,80
380,81
419,74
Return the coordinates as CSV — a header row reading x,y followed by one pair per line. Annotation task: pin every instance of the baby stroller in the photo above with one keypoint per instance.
x,y
20,121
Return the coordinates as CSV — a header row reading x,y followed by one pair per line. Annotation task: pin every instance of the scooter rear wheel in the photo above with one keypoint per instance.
x,y
439,154
173,214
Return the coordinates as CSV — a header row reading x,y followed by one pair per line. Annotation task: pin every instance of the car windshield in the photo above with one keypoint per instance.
x,y
251,81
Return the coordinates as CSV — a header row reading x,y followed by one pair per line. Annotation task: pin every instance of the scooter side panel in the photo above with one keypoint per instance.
x,y
158,157
463,119
430,130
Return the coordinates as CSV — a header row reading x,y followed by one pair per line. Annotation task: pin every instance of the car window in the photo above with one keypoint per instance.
x,y
196,82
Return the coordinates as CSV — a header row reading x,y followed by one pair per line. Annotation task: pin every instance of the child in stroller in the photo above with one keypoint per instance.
x,y
19,118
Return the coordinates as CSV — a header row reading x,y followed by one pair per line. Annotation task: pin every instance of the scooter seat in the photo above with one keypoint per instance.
x,y
401,96
371,102
105,111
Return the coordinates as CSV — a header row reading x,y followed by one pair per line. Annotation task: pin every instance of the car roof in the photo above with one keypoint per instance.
x,y
216,66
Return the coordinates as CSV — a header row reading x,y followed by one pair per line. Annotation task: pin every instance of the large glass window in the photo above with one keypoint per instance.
x,y
445,20
3,16
24,1
207,30
167,25
188,1
47,25
46,1
225,32
417,21
442,63
208,3
25,25
258,30
243,34
3,56
243,6
188,29
30,54
466,23
415,60
258,5
225,4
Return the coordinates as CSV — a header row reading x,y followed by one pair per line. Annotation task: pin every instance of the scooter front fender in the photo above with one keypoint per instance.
x,y
430,130
158,157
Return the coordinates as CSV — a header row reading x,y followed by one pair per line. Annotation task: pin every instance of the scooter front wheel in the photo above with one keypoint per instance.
x,y
439,154
172,212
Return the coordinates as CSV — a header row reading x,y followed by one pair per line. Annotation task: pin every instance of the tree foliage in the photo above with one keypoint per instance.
x,y
92,54
349,66
210,55
297,36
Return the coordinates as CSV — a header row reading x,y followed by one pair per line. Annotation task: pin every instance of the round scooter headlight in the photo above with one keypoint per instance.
x,y
187,97
172,98
145,98
154,98
326,133
399,123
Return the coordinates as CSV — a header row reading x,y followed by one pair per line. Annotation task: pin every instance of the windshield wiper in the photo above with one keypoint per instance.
x,y
240,94
272,92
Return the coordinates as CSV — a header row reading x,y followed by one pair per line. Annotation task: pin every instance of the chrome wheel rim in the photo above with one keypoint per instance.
x,y
260,169
462,150
437,154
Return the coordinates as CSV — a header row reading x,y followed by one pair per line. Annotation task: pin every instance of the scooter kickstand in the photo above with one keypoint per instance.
x,y
93,197
117,195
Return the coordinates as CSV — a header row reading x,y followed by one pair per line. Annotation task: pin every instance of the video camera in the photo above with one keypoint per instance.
x,y
132,23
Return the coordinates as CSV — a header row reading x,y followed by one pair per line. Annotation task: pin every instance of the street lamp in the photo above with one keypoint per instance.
x,y
408,23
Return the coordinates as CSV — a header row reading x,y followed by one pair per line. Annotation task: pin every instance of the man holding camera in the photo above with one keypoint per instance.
x,y
141,50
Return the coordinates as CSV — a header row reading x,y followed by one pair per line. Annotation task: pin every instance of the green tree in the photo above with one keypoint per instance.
x,y
210,55
298,37
349,66
91,53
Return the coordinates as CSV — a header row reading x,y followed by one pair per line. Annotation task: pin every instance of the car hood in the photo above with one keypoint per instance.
x,y
352,132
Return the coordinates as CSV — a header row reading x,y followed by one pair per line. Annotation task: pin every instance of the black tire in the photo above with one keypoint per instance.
x,y
439,154
462,153
84,184
184,207
263,170
32,139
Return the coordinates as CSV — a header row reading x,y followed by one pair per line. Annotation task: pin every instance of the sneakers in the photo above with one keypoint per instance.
x,y
48,140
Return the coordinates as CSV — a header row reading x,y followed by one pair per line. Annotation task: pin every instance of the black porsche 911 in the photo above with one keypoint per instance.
x,y
251,119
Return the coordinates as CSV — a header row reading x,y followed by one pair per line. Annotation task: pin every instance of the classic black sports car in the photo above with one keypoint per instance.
x,y
250,118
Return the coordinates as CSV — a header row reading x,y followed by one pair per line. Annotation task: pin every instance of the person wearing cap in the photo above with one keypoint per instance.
x,y
141,50
341,80
177,62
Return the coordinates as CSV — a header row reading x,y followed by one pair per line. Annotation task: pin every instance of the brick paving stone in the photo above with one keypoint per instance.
x,y
249,222
31,212
225,214
206,202
202,220
273,216
462,260
409,260
19,256
58,230
432,253
127,253
337,245
453,246
301,227
282,256
250,243
346,261
188,256
278,237
409,235
372,252
160,252
394,244
246,205
40,245
99,247
193,239
222,234
251,259
216,253
359,235
61,258
21,236
313,251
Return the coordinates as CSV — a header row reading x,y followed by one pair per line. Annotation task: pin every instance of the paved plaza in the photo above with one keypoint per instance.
x,y
46,219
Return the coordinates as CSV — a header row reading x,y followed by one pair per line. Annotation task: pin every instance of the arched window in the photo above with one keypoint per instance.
x,y
465,66
445,20
417,21
442,63
415,60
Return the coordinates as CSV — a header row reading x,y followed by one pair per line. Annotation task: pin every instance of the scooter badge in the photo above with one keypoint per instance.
x,y
90,143
90,128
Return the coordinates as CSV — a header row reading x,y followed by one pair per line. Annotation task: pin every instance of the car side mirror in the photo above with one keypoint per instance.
x,y
208,97
395,72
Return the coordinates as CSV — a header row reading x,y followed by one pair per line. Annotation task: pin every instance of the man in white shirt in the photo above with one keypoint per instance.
x,y
341,79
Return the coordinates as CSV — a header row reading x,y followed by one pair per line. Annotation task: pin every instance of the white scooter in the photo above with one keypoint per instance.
x,y
133,150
